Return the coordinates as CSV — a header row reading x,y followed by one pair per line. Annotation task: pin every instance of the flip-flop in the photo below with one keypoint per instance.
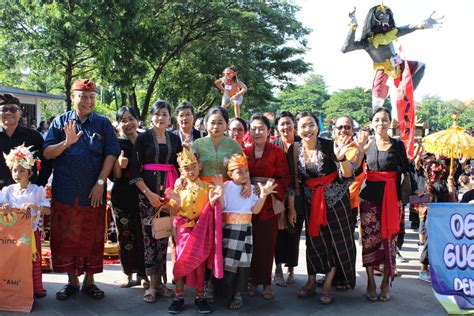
x,y
93,291
306,292
164,291
252,290
236,302
268,293
385,297
128,283
325,299
66,292
371,296
279,280
290,279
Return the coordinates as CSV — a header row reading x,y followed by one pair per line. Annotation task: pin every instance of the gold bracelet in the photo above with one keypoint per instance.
x,y
145,191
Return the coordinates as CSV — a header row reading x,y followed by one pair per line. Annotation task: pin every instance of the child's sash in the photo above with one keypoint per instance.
x,y
16,279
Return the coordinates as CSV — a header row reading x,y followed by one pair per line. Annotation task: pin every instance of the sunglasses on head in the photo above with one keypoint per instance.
x,y
346,127
11,109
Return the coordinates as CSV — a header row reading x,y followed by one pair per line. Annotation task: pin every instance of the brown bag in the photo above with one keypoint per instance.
x,y
161,227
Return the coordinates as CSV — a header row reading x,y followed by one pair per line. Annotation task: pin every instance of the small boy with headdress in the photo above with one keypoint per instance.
x,y
237,224
27,197
197,219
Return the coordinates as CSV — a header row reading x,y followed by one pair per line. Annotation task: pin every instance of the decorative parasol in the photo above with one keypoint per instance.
x,y
453,143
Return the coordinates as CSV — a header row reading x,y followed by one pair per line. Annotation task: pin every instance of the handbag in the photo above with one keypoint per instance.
x,y
161,226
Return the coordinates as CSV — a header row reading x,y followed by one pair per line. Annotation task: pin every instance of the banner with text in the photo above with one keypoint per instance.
x,y
16,279
451,251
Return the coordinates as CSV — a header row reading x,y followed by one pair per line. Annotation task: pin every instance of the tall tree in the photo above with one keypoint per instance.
x,y
48,35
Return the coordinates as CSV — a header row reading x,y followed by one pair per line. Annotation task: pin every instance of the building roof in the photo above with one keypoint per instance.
x,y
18,91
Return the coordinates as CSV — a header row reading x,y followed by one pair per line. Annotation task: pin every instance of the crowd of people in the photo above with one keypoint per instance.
x,y
228,198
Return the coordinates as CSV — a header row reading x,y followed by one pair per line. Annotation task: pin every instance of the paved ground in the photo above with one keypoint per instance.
x,y
409,296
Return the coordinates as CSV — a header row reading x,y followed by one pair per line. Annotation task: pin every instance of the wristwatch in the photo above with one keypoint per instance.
x,y
100,182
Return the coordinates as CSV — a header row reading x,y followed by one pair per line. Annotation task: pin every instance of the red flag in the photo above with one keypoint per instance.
x,y
406,110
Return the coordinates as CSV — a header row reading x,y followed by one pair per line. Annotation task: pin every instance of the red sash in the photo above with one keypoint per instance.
x,y
390,210
318,202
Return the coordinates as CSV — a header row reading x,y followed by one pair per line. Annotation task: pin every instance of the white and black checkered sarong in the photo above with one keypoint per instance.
x,y
237,246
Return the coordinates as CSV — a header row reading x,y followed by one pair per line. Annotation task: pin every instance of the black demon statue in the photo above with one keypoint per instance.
x,y
377,39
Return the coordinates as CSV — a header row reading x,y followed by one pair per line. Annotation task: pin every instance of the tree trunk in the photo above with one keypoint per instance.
x,y
134,102
149,93
67,84
123,96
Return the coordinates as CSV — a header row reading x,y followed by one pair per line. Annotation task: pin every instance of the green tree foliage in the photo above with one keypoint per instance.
x,y
309,96
439,113
46,38
130,45
355,102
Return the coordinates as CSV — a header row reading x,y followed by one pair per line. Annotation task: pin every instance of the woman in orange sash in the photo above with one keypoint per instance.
x,y
381,203
326,175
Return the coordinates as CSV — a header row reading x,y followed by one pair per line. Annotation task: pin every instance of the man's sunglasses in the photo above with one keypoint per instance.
x,y
11,109
346,127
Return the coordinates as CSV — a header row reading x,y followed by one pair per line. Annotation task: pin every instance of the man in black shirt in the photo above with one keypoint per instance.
x,y
13,135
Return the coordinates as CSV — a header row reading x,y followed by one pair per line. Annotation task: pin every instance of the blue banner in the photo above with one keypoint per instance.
x,y
451,251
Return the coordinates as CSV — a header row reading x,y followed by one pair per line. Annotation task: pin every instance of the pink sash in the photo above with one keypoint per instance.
x,y
171,173
199,246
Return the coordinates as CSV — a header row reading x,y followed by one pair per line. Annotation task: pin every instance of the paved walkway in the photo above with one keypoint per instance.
x,y
410,296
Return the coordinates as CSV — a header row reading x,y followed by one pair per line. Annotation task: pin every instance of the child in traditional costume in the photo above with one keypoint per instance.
x,y
237,223
232,89
198,225
29,198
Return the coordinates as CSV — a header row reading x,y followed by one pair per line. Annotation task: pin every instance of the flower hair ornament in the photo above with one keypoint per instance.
x,y
20,155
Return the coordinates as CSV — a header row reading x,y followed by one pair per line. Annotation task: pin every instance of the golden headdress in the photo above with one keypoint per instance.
x,y
186,158
236,161
20,155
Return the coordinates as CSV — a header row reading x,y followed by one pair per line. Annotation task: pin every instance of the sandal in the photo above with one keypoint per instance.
x,y
325,299
164,291
342,286
385,295
371,296
66,292
143,280
128,283
149,296
236,302
306,291
268,293
93,291
290,279
279,280
252,290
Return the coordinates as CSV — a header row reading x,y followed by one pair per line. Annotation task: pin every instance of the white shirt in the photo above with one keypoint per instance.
x,y
234,202
34,194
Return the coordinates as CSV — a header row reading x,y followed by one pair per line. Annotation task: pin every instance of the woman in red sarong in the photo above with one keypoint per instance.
x,y
381,203
265,161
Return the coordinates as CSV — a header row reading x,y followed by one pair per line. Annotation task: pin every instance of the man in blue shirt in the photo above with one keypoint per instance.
x,y
84,148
